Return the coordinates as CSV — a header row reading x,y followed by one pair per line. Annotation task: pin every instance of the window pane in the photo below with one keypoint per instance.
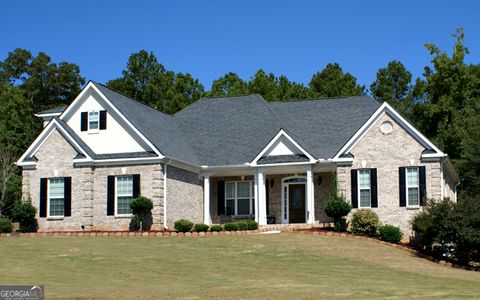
x,y
243,189
364,198
243,206
230,209
123,205
56,188
56,207
124,186
412,177
230,189
93,119
364,179
413,196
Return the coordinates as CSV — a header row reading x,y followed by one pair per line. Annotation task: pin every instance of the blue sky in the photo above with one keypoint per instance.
x,y
211,38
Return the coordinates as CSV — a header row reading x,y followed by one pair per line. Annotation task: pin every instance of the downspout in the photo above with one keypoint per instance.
x,y
442,181
165,178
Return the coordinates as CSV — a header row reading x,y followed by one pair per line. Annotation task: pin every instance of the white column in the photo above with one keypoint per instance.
x,y
262,198
255,193
206,200
310,196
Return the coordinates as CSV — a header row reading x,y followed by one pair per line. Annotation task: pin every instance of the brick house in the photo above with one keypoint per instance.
x,y
226,158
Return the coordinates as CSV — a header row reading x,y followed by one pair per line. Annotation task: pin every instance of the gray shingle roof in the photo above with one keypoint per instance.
x,y
55,110
233,130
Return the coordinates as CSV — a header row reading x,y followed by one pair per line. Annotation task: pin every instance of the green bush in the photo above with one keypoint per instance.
x,y
232,226
390,234
183,225
337,207
201,227
242,225
5,225
142,214
251,224
365,222
24,213
216,228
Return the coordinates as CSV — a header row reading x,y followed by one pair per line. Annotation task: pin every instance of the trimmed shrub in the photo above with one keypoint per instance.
x,y
141,205
5,225
365,222
142,214
232,226
216,228
251,224
183,225
135,223
337,207
24,213
242,225
201,227
390,234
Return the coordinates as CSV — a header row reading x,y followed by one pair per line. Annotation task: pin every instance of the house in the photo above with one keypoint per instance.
x,y
226,158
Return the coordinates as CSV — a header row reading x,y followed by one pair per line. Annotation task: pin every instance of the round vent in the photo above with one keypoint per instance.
x,y
386,127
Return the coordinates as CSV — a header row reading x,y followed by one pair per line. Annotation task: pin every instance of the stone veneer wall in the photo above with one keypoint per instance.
x,y
89,194
388,152
184,196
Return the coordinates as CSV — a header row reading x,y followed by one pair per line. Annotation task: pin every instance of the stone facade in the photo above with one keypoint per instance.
x,y
388,152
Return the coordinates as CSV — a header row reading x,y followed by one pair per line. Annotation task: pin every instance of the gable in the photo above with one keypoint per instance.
x,y
55,151
282,147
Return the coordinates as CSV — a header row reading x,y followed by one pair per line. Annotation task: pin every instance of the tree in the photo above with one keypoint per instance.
x,y
45,83
228,85
148,81
393,85
332,82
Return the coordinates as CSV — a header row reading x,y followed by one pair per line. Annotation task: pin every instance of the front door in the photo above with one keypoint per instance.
x,y
296,203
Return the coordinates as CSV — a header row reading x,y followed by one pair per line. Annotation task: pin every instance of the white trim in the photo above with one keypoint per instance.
x,y
165,178
48,199
116,197
262,198
286,201
90,84
32,150
93,130
359,189
251,196
48,115
385,108
206,200
406,187
281,133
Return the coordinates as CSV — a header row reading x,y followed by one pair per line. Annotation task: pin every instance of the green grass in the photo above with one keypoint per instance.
x,y
280,266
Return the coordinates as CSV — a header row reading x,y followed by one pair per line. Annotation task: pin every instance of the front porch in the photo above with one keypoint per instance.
x,y
273,196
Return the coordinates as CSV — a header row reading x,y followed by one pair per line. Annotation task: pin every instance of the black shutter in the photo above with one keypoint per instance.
x,y
401,176
67,195
110,195
353,175
84,121
267,195
103,119
43,197
373,188
423,185
136,185
220,197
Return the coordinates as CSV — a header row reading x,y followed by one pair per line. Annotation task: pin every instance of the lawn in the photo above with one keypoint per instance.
x,y
278,266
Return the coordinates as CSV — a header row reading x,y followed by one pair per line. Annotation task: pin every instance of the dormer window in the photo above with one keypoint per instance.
x,y
93,120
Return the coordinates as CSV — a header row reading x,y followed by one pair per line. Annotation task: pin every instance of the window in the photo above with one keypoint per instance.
x,y
93,120
124,194
364,188
413,189
56,197
239,198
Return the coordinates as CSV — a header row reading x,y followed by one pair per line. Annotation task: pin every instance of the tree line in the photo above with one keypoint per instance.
x,y
444,103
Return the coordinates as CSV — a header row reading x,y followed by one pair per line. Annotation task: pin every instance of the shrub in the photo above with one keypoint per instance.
x,y
232,226
5,225
216,228
365,222
337,208
142,214
242,225
183,225
24,213
390,234
251,224
201,227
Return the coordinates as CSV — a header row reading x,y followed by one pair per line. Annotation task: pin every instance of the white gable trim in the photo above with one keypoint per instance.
x,y
32,150
281,133
92,86
385,108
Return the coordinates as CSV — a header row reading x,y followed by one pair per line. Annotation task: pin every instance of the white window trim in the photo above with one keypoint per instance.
x,y
407,187
48,199
235,198
94,130
359,189
116,198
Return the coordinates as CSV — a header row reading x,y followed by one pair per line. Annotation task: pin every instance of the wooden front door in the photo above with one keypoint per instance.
x,y
296,203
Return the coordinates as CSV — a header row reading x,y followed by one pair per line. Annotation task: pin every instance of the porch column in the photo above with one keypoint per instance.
x,y
310,196
262,198
206,200
255,193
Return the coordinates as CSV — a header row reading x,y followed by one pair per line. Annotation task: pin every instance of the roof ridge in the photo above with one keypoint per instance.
x,y
323,99
231,96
